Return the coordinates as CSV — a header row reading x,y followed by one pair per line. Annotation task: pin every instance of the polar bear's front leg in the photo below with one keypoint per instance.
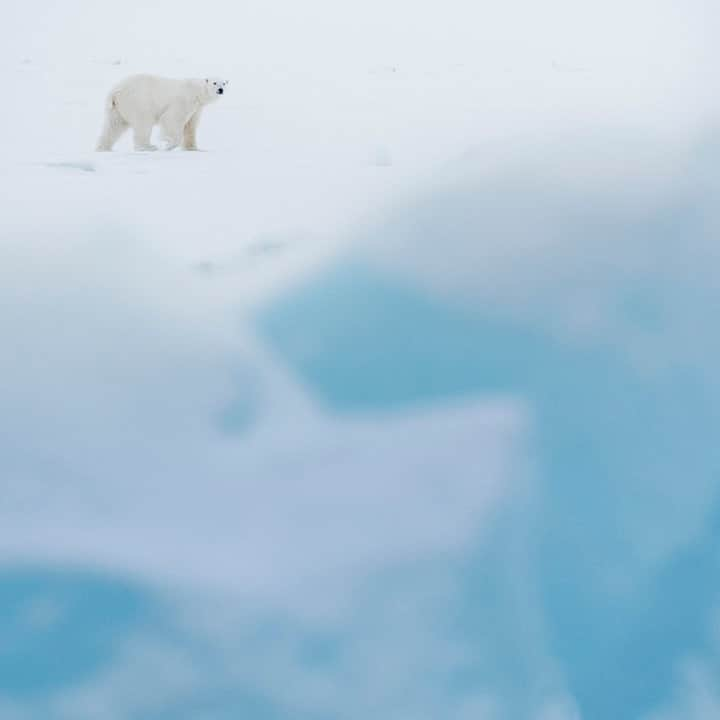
x,y
190,130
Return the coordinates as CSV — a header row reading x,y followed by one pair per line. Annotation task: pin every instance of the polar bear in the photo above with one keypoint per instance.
x,y
143,101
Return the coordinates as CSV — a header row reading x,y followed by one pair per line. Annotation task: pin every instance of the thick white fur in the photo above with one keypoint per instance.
x,y
142,101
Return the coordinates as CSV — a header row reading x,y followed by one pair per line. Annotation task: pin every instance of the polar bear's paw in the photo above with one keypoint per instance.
x,y
145,148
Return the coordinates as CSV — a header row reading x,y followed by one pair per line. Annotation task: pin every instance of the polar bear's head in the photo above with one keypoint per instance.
x,y
214,87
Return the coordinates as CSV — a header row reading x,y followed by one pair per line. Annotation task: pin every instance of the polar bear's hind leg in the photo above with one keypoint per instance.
x,y
172,122
142,135
113,127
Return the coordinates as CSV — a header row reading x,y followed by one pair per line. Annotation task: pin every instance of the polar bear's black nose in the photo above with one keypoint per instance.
x,y
220,91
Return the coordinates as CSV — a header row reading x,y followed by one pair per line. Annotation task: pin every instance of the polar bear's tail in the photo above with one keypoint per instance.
x,y
113,127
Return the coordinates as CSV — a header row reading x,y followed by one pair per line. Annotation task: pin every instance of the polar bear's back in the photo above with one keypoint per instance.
x,y
151,93
145,82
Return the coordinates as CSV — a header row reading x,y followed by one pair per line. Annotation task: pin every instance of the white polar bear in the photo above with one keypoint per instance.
x,y
143,101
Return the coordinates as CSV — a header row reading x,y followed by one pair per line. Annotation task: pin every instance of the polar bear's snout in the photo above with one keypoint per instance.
x,y
217,85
